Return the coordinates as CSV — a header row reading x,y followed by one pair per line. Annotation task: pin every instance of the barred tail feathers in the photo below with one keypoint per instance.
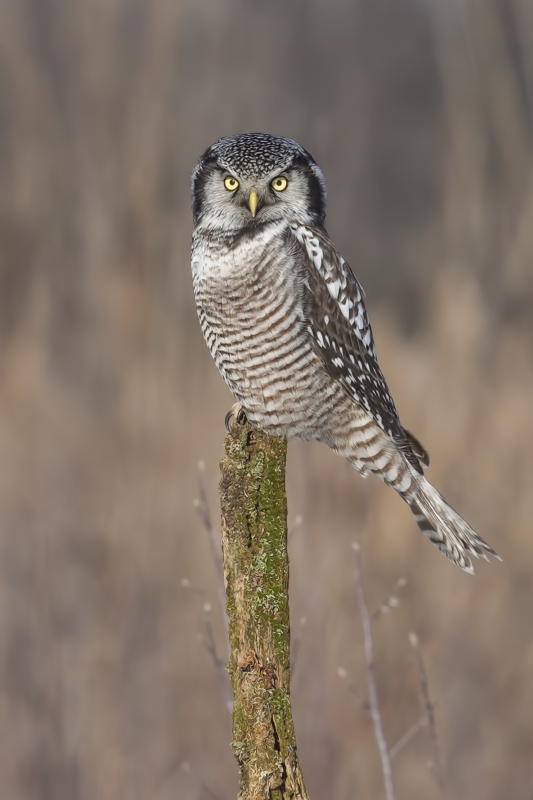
x,y
445,527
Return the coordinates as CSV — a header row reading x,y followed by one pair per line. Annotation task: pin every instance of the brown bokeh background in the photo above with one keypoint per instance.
x,y
420,113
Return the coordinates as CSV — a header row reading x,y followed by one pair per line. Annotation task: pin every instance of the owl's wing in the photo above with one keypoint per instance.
x,y
337,321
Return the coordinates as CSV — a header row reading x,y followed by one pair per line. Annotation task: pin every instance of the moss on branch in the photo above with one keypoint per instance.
x,y
256,574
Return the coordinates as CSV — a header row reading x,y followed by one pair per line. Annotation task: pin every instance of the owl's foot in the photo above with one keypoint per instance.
x,y
235,418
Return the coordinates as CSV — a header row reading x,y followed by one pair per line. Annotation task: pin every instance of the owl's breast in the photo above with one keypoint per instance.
x,y
246,291
250,305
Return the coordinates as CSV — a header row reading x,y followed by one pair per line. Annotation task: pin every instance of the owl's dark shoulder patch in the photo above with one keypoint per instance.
x,y
338,323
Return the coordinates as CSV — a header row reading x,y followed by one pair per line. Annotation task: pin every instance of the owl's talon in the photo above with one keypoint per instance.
x,y
235,418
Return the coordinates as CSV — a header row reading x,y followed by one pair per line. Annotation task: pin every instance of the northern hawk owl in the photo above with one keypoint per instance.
x,y
284,318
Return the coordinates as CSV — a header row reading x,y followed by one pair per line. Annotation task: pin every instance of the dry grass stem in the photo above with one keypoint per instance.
x,y
192,587
343,675
437,767
295,527
392,600
371,677
220,666
297,641
408,735
187,767
202,508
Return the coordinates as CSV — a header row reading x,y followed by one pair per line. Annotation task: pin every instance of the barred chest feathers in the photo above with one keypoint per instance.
x,y
250,305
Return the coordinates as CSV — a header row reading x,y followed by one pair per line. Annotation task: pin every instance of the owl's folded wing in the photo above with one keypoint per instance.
x,y
337,321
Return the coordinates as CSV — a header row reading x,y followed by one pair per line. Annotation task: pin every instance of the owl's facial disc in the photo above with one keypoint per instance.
x,y
252,180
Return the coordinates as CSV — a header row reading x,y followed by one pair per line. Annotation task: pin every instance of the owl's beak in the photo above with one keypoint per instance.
x,y
253,201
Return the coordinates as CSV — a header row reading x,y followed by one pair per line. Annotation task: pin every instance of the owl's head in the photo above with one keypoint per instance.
x,y
255,178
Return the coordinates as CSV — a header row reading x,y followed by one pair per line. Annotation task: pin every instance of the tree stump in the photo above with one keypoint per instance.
x,y
256,575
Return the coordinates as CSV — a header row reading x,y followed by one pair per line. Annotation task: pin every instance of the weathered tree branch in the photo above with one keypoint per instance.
x,y
256,573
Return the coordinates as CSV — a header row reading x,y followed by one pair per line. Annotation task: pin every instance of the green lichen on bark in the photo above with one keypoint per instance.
x,y
256,573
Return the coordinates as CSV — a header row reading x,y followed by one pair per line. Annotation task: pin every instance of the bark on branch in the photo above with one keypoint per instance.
x,y
256,574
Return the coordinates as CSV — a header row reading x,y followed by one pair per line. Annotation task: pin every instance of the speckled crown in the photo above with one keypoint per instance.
x,y
252,155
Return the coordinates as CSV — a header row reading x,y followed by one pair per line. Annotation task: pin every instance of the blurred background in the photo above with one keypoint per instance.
x,y
420,114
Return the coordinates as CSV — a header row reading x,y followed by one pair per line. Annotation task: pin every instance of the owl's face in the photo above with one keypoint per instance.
x,y
249,180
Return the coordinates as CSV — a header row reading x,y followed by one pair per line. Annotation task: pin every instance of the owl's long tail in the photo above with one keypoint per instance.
x,y
373,451
444,526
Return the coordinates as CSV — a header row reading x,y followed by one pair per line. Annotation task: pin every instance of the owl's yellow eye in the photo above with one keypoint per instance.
x,y
231,183
279,184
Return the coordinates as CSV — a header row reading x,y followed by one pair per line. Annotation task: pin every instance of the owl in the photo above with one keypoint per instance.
x,y
284,318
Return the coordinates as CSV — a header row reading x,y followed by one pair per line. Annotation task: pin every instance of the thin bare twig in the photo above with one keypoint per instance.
x,y
408,735
437,768
209,641
296,525
192,587
186,767
202,508
371,678
343,675
392,600
296,642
